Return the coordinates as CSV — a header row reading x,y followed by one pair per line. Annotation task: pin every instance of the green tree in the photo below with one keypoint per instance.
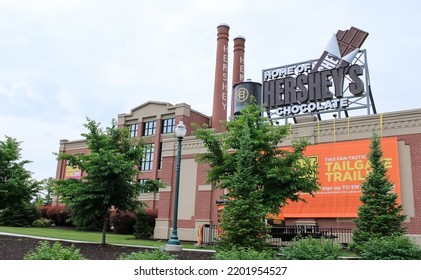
x,y
152,186
144,225
380,214
17,188
45,192
258,176
111,168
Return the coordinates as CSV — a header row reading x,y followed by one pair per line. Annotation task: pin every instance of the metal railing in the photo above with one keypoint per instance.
x,y
208,235
283,235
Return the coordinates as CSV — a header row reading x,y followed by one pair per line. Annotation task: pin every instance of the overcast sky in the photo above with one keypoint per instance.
x,y
63,61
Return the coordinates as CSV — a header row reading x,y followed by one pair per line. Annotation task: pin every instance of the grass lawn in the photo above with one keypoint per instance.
x,y
96,237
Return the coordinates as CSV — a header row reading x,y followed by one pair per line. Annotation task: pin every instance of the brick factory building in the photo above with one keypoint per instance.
x,y
339,143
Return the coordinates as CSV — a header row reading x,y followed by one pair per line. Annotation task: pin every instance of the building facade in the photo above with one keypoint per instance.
x,y
155,122
334,206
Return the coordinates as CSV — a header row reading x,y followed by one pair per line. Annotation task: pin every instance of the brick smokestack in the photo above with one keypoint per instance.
x,y
219,111
238,66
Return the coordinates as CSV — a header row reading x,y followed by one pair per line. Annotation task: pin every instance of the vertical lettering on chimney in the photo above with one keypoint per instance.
x,y
219,110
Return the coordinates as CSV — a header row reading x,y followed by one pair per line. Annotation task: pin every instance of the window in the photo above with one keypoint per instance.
x,y
149,128
147,161
142,181
168,125
133,129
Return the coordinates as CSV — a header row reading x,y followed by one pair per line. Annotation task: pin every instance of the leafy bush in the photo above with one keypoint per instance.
x,y
312,249
144,226
123,221
390,248
43,222
237,253
42,209
55,252
59,214
147,255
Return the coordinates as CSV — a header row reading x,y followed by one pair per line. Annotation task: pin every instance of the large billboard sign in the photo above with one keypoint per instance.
x,y
342,168
337,81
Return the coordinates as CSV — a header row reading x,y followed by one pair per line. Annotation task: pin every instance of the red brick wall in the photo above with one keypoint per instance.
x,y
206,207
203,198
199,119
335,223
164,202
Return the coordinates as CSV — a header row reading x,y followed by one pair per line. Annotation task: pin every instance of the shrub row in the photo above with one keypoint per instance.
x,y
390,248
122,221
56,251
312,249
383,248
141,224
43,222
59,214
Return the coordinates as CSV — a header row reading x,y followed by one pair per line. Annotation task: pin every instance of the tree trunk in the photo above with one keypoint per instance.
x,y
104,227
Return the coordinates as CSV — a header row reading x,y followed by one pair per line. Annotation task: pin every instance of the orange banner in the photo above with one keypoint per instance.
x,y
342,168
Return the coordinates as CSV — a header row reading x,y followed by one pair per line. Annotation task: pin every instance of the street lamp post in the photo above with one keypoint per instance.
x,y
173,244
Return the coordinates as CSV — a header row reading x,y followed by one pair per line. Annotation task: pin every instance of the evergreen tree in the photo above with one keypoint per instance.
x,y
17,188
111,168
258,177
380,214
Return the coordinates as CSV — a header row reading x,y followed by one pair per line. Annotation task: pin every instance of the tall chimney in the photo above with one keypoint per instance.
x,y
238,67
219,111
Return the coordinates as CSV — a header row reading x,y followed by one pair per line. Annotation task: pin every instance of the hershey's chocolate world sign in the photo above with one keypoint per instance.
x,y
327,84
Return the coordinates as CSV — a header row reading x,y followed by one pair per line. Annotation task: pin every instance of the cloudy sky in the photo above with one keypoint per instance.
x,y
62,61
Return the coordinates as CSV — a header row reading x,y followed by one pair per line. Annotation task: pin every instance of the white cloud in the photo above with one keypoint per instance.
x,y
40,139
119,74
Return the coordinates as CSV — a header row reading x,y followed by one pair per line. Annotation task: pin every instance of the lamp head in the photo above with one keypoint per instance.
x,y
180,130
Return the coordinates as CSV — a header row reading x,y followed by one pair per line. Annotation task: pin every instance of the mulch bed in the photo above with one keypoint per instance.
x,y
16,247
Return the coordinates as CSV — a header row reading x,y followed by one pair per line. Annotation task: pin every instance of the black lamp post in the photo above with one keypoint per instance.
x,y
173,244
